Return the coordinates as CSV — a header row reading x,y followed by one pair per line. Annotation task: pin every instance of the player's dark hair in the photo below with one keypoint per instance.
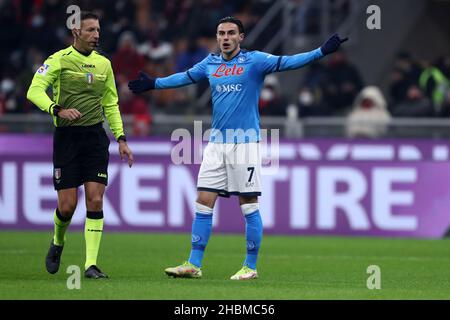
x,y
88,15
234,20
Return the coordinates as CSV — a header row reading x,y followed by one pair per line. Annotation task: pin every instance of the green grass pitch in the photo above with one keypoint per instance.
x,y
289,267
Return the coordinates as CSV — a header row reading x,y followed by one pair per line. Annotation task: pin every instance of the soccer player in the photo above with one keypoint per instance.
x,y
83,90
231,162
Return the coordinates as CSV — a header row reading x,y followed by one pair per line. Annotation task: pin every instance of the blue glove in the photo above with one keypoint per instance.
x,y
332,44
144,83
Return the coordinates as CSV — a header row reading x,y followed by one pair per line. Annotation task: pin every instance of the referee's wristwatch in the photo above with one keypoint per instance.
x,y
123,138
55,109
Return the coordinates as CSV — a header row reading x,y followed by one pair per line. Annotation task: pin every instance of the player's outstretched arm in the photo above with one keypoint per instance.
x,y
146,83
142,84
299,60
181,79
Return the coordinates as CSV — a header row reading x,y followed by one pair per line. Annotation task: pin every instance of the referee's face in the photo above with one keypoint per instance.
x,y
229,38
88,36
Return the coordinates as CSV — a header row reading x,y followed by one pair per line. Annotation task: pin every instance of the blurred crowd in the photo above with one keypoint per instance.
x,y
159,37
415,89
163,37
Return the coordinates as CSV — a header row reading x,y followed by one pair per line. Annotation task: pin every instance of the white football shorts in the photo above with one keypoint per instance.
x,y
231,169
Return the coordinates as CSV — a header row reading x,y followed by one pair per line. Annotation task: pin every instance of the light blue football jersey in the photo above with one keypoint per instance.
x,y
235,87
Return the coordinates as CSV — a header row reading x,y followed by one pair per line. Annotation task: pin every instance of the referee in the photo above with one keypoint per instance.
x,y
83,90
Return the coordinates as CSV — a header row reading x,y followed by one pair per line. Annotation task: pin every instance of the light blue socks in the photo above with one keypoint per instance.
x,y
201,231
253,233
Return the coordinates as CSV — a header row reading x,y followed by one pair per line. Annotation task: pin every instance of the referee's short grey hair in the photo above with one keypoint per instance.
x,y
89,15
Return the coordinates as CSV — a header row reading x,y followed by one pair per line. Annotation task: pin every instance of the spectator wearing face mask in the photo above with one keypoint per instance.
x,y
369,117
11,100
271,102
310,103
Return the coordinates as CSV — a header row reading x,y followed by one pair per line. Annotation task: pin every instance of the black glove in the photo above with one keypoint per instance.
x,y
332,44
144,83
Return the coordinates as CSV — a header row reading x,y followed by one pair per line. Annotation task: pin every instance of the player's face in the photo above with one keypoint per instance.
x,y
89,34
229,38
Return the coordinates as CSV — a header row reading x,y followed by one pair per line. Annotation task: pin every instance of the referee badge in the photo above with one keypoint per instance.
x,y
89,78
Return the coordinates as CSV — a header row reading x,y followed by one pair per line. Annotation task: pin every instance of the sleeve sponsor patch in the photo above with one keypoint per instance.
x,y
43,69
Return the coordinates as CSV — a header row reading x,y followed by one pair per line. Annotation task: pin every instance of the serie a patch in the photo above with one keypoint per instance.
x,y
42,70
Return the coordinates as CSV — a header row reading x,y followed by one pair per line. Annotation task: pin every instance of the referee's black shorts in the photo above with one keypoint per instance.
x,y
80,154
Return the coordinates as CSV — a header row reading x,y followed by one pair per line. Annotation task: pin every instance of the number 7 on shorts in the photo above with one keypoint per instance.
x,y
252,169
